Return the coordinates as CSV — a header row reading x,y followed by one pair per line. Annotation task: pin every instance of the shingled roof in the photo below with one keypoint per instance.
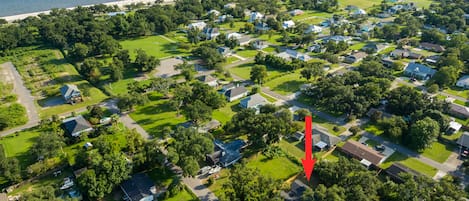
x,y
76,125
361,151
138,187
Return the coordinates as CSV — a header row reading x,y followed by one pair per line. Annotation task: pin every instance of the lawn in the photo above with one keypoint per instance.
x,y
269,98
165,178
231,59
247,53
438,152
460,102
287,84
453,137
312,14
224,114
328,125
242,71
371,128
294,148
272,40
18,145
236,27
363,4
357,46
154,45
182,196
156,115
278,168
412,163
458,92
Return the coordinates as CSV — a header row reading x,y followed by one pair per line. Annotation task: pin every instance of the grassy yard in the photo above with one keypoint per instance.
x,y
278,168
458,92
224,114
269,98
438,152
157,46
357,46
373,129
287,84
156,115
242,71
164,178
247,53
453,137
272,40
460,102
328,125
18,145
182,196
411,163
363,4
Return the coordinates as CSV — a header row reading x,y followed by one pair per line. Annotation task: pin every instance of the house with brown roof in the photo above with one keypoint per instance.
x,y
459,111
396,170
355,57
432,47
366,155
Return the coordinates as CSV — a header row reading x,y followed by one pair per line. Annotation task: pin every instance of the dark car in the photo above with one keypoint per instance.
x,y
380,148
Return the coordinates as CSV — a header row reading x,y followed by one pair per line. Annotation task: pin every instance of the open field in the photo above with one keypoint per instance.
x,y
438,152
157,46
286,84
411,163
244,71
278,168
44,71
156,115
18,146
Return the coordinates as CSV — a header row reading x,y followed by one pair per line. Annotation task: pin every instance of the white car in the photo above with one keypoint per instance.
x,y
214,169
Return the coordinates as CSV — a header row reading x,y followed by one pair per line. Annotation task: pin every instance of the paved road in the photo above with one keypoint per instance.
x,y
442,167
199,189
405,82
24,98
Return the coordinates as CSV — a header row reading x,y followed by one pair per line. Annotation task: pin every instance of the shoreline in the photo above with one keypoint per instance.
x,y
120,3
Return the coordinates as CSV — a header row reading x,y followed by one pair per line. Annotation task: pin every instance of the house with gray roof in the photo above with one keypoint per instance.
x,y
75,126
419,71
290,54
322,139
139,188
210,33
236,93
374,47
71,94
209,80
355,57
254,101
459,111
226,154
463,82
464,140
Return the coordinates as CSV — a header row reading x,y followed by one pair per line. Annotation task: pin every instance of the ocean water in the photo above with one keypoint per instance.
x,y
15,7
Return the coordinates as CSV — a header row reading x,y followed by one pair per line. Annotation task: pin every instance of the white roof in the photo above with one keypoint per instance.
x,y
455,125
365,162
288,24
321,144
314,29
199,25
234,35
464,80
359,12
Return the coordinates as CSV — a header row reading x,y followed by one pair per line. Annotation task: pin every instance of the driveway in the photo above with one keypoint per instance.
x,y
199,189
166,68
10,74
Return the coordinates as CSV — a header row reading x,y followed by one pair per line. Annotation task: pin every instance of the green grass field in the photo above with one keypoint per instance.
x,y
18,146
244,71
411,163
154,45
456,91
156,115
224,114
278,168
247,53
364,4
438,152
286,84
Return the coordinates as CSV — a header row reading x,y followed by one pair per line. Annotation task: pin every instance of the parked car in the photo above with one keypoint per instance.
x,y
380,148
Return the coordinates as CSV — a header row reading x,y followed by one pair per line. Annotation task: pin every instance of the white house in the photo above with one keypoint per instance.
x,y
463,82
210,33
197,25
254,101
288,24
313,29
209,80
236,93
259,44
229,5
255,16
292,54
358,13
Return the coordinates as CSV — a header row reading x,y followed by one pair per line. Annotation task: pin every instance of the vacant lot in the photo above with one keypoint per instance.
x,y
158,46
438,152
18,145
412,163
286,84
44,71
156,115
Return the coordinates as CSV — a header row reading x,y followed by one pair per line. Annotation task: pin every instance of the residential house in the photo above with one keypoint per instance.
x,y
209,126
316,48
227,87
210,33
259,44
234,35
358,13
463,82
453,127
313,29
432,47
387,62
337,39
366,28
209,80
322,139
401,7
288,24
111,14
433,59
223,18
255,16
296,12
399,53
366,155
139,188
463,141
290,54
355,57
419,71
299,136
75,126
71,94
396,169
197,25
225,51
459,111
374,47
242,39
213,12
383,15
236,93
254,101
413,55
297,189
229,5
262,27
226,154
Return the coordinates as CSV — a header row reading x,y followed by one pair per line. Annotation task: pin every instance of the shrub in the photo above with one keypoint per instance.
x,y
272,152
433,88
354,129
336,129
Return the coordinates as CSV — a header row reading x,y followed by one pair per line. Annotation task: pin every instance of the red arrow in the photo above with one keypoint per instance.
x,y
308,161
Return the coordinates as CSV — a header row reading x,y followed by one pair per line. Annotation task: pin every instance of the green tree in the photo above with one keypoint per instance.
x,y
198,112
258,74
187,70
47,145
79,51
445,77
117,69
144,62
423,133
40,194
161,85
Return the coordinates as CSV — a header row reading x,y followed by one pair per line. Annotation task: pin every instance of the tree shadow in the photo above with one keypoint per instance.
x,y
67,78
289,86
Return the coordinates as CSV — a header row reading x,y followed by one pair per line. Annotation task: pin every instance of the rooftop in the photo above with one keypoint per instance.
x,y
139,186
361,151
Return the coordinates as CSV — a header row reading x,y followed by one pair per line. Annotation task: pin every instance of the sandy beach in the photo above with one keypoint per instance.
x,y
121,4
